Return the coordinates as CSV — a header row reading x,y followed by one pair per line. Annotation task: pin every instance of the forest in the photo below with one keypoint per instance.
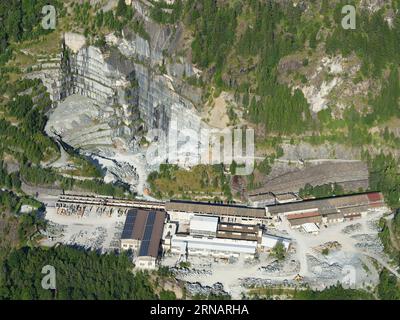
x,y
377,44
389,285
336,292
36,175
321,191
209,182
220,40
274,30
80,275
215,34
19,20
385,177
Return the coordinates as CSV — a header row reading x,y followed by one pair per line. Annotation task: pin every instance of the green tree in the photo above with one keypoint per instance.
x,y
121,8
279,251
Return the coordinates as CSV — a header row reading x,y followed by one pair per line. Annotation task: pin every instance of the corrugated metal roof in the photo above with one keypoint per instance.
x,y
303,215
238,227
298,222
270,241
204,223
236,235
147,227
310,227
375,196
332,203
215,209
214,244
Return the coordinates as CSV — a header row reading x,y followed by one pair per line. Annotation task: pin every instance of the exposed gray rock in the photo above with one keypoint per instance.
x,y
107,100
307,151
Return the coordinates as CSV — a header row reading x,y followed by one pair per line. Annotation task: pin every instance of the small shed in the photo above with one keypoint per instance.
x,y
310,228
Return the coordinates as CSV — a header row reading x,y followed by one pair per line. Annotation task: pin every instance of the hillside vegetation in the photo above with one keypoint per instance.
x,y
79,275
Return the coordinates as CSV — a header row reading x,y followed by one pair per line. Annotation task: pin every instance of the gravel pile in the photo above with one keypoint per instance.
x,y
258,282
281,268
323,270
184,272
54,230
93,240
196,288
374,225
369,243
353,228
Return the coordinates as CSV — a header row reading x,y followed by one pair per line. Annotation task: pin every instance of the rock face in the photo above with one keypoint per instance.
x,y
306,151
106,100
74,41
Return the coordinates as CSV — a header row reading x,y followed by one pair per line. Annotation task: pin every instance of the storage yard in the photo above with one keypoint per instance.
x,y
94,231
358,253
230,245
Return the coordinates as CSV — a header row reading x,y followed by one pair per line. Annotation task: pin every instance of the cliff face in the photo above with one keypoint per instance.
x,y
106,100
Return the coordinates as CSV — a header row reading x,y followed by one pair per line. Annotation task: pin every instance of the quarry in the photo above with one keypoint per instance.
x,y
114,101
113,105
349,251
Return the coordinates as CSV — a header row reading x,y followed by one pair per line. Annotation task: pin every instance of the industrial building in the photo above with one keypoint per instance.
x,y
219,230
331,210
142,233
214,247
260,200
328,210
311,228
183,211
208,236
298,219
239,231
203,226
269,241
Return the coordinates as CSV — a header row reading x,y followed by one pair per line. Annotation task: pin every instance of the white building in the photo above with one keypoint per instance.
x,y
203,225
168,232
145,262
215,247
310,228
182,211
269,241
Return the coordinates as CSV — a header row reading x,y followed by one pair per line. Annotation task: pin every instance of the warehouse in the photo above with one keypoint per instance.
x,y
269,241
262,200
183,211
207,236
297,220
142,233
347,205
203,226
311,228
214,247
286,198
239,232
